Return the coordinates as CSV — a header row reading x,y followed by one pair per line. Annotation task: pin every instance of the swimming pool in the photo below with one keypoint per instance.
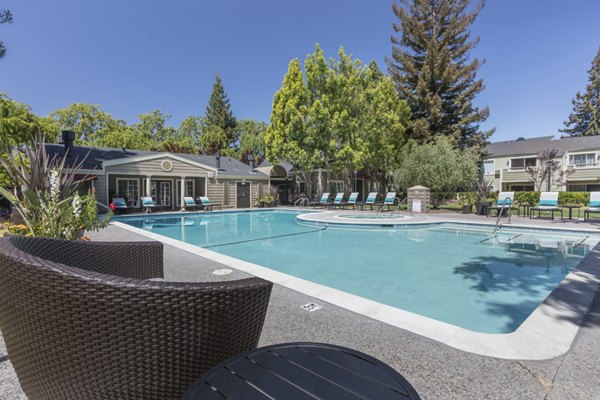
x,y
464,277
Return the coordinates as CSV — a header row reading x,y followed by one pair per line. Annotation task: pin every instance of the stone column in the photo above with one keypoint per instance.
x,y
423,195
182,193
148,193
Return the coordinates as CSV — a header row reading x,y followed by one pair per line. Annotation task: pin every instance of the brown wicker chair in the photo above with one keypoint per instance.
x,y
81,320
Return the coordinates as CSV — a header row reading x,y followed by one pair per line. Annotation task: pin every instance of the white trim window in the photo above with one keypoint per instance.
x,y
129,189
489,167
522,163
190,186
582,160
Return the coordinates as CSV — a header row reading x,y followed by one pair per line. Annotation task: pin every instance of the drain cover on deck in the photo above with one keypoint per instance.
x,y
311,307
222,271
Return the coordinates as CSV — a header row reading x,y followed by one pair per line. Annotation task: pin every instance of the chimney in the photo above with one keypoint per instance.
x,y
67,138
251,160
218,159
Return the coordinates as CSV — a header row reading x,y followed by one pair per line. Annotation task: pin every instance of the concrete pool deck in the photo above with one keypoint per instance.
x,y
437,371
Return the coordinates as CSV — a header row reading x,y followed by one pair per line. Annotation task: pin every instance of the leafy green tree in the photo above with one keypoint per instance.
x,y
252,139
432,70
343,116
384,120
153,127
192,127
287,138
18,127
88,121
585,117
439,166
6,17
219,114
124,137
345,90
212,140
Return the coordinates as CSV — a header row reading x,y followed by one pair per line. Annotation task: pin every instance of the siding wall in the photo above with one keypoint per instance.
x,y
101,189
153,167
215,191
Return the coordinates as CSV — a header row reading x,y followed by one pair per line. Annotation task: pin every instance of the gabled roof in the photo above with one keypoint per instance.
x,y
534,146
96,156
158,155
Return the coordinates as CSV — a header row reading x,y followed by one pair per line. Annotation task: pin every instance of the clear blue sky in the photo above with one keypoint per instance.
x,y
134,56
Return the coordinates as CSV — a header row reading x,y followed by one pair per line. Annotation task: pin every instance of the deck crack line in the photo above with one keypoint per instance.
x,y
547,385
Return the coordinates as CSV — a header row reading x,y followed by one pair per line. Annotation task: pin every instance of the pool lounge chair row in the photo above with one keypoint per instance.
x,y
548,203
339,202
149,205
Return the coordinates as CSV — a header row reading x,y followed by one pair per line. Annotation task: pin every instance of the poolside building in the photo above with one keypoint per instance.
x,y
505,163
166,177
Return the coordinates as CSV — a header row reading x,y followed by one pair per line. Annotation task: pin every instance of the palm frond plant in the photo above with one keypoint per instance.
x,y
44,191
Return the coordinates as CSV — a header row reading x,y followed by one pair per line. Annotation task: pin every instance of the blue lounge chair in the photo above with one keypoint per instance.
x,y
593,207
120,204
548,202
505,201
207,204
338,201
190,203
148,204
351,200
323,202
371,199
390,199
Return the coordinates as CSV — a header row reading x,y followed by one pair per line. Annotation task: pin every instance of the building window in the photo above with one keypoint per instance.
x,y
129,189
582,160
521,188
488,167
302,187
337,186
189,188
522,163
577,188
582,187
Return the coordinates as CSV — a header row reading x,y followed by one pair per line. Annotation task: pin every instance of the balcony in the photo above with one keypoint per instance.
x,y
517,174
584,172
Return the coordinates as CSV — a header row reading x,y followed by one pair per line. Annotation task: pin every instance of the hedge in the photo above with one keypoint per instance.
x,y
564,198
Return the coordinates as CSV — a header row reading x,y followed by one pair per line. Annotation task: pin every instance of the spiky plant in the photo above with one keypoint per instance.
x,y
43,190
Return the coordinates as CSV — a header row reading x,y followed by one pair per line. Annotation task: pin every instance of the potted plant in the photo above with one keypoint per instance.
x,y
466,200
483,195
44,192
265,200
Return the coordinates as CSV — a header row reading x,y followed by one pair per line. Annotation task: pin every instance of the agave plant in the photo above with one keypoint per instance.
x,y
44,190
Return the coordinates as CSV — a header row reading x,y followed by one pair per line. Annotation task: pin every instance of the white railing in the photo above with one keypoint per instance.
x,y
302,202
586,165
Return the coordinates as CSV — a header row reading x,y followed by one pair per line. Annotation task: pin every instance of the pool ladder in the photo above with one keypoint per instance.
x,y
497,226
302,202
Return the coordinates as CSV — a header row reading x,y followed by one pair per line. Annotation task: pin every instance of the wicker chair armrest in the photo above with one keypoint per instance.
x,y
138,260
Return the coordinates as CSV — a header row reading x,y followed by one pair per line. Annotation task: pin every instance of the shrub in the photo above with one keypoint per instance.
x,y
565,198
527,197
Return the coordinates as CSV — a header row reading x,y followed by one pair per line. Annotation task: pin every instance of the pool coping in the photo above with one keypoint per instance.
x,y
547,333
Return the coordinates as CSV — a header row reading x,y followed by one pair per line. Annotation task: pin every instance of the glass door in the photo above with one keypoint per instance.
x,y
165,193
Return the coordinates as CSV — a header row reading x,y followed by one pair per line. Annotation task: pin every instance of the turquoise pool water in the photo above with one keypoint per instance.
x,y
452,274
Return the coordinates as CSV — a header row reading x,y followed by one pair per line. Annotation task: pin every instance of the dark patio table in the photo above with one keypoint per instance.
x,y
570,207
293,371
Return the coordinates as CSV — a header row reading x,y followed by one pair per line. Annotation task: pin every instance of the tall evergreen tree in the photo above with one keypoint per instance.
x,y
218,112
585,117
5,18
431,67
